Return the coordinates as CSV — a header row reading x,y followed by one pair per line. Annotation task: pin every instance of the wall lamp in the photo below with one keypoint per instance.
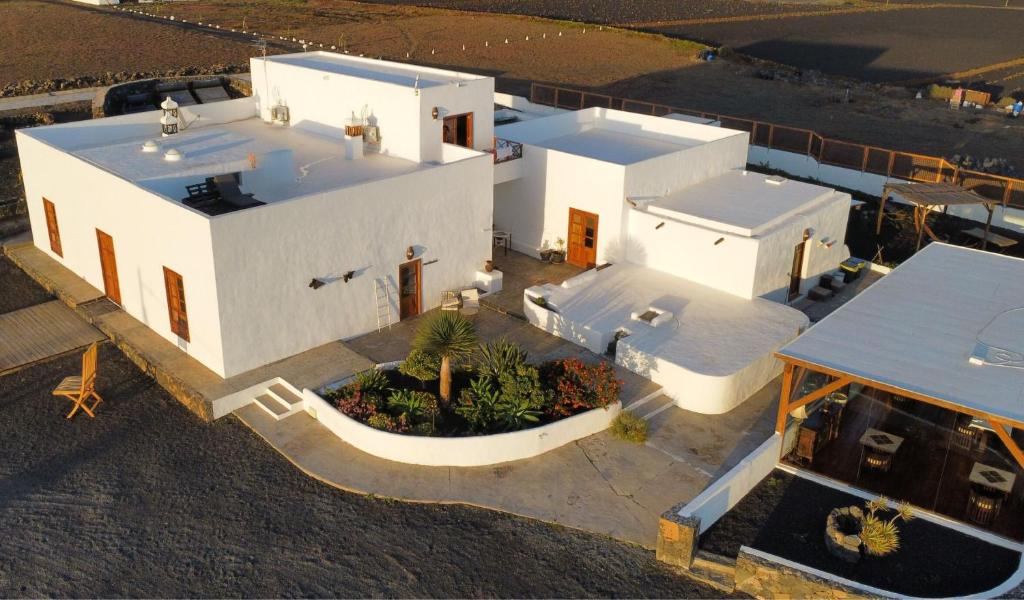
x,y
347,276
434,113
317,283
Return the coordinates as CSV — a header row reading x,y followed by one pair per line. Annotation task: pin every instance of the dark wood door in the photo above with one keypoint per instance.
x,y
409,293
796,272
52,231
108,264
458,130
177,311
582,246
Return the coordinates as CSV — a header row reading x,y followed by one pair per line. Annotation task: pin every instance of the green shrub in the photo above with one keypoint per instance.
x,y
372,381
629,428
421,365
386,422
499,357
521,386
414,406
477,404
939,92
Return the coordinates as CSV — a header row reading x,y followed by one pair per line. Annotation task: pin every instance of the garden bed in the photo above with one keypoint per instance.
x,y
457,403
785,516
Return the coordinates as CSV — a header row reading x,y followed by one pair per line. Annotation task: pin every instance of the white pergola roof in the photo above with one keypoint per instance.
x,y
947,324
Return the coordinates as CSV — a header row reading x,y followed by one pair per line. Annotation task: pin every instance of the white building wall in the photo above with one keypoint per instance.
x,y
774,262
689,251
266,257
323,102
660,175
149,232
468,96
535,208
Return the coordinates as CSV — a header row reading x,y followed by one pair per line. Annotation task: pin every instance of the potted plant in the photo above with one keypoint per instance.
x,y
558,255
545,252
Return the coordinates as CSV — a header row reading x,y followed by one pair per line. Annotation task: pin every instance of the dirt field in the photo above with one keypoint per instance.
x,y
47,40
615,62
882,46
628,11
146,501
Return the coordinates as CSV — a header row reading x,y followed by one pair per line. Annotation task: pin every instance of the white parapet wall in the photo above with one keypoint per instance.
x,y
470,451
712,504
100,2
800,165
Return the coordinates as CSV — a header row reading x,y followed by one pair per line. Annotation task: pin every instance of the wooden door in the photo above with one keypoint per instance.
x,y
582,247
51,227
796,272
177,311
409,292
108,264
458,130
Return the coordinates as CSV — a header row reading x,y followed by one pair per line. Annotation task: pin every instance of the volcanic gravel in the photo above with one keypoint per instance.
x,y
881,46
18,290
147,501
618,11
785,515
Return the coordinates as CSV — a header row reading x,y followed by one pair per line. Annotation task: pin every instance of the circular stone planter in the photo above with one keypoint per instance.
x,y
842,533
468,451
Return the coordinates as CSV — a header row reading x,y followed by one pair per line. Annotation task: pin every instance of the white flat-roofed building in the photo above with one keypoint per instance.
x,y
259,228
700,246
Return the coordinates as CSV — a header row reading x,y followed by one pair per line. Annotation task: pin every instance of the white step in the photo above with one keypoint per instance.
x,y
279,400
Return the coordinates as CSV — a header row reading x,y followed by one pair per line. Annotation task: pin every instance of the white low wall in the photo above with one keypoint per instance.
x,y
557,325
800,165
730,488
470,451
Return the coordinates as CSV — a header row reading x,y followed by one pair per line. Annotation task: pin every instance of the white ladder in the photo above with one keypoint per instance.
x,y
382,297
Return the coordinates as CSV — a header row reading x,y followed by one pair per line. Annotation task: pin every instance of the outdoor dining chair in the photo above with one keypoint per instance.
x,y
470,302
80,388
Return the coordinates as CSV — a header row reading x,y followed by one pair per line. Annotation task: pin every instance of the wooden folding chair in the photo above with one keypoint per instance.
x,y
81,388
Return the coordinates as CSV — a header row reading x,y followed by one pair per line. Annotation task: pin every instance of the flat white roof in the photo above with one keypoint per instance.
x,y
714,333
295,161
947,324
612,136
613,146
376,70
741,202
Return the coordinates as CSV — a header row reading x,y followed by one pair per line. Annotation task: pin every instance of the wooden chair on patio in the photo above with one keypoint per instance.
x,y
80,388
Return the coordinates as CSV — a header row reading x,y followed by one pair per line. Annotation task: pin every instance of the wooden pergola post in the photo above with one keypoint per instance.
x,y
881,209
988,225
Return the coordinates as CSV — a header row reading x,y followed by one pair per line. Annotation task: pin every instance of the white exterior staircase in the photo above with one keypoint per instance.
x,y
280,400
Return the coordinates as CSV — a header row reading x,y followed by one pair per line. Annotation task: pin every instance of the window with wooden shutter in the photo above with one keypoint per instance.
x,y
176,309
51,227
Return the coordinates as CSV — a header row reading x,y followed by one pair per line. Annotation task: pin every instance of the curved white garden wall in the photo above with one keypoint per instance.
x,y
471,451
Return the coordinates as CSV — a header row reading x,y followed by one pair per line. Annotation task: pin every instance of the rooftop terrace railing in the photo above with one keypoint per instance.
x,y
506,150
1008,191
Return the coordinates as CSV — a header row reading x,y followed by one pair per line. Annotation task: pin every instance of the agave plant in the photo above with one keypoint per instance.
x,y
499,357
450,336
880,536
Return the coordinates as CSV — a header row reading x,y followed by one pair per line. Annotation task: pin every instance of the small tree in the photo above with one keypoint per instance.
x,y
420,365
450,336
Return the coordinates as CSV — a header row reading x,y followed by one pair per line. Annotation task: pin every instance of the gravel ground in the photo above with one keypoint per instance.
x,y
147,501
18,290
882,46
785,515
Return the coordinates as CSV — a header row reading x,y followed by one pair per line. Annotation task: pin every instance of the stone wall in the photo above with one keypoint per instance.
x,y
677,537
762,577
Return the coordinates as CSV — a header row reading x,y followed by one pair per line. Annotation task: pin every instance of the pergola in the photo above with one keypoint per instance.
x,y
945,328
926,196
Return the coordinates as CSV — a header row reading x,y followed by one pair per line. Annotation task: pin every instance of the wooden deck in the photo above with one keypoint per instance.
x,y
41,331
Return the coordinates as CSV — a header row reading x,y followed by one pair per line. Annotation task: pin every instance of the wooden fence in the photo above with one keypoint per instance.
x,y
1008,191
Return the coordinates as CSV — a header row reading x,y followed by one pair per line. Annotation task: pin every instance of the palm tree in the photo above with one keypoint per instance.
x,y
449,336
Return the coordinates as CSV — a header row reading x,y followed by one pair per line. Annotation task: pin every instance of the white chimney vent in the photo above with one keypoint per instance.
x,y
150,146
173,155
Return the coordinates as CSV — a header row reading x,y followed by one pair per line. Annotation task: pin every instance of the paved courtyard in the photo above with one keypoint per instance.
x,y
147,500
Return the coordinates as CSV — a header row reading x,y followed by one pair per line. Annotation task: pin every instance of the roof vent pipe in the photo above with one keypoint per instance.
x,y
173,155
150,146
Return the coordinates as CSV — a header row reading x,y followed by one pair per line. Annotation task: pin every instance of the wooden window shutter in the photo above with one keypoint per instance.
x,y
176,309
51,227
